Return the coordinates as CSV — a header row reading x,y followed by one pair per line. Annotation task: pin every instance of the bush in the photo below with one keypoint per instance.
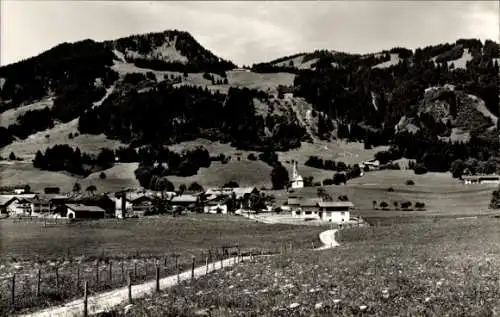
x,y
102,175
420,169
12,156
231,184
384,205
390,189
252,157
410,182
419,205
327,181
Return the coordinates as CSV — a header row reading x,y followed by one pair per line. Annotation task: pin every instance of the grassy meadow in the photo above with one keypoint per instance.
x,y
133,245
447,268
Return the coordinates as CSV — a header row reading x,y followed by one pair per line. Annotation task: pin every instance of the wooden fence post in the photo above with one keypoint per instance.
x,y
57,279
110,271
77,275
38,283
206,264
192,269
157,278
123,271
13,291
85,299
130,287
97,273
135,270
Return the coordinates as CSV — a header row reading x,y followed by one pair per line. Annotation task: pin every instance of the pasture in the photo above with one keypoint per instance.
x,y
97,251
447,268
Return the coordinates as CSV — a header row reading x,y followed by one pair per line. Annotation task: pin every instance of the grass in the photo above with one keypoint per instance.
x,y
10,116
447,268
27,247
59,134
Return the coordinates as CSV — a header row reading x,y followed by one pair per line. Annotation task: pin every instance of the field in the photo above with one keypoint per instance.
x,y
10,116
59,134
442,195
447,268
92,245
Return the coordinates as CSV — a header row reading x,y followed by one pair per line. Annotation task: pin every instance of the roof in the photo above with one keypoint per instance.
x,y
185,199
242,191
293,201
311,202
86,208
6,199
336,204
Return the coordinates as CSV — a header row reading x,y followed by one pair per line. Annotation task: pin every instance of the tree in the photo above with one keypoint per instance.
x,y
27,189
279,176
410,182
102,175
231,184
182,188
457,168
384,205
374,203
195,187
396,205
339,178
420,169
12,156
91,189
51,190
77,188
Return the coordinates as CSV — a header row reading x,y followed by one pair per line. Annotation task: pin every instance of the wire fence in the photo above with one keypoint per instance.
x,y
42,286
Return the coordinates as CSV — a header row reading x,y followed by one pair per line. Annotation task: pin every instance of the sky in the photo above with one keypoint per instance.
x,y
248,32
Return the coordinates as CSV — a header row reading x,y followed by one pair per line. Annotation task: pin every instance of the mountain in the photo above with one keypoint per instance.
x,y
165,88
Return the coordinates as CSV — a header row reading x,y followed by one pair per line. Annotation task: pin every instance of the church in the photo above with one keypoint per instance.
x,y
297,181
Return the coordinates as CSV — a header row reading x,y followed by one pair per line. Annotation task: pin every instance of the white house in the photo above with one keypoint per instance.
x,y
331,211
19,191
216,206
81,211
481,179
297,180
14,206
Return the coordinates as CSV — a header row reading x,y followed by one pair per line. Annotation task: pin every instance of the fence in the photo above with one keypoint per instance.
x,y
59,282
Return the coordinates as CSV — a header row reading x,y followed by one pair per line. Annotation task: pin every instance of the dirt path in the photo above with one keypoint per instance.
x,y
106,301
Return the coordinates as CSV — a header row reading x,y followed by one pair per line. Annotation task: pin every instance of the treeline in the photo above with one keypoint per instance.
x,y
167,115
65,158
440,156
157,163
58,70
344,92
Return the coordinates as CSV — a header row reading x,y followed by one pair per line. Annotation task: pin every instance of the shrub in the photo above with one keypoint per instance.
x,y
327,181
419,205
410,182
252,157
316,184
420,169
231,184
390,189
406,205
384,205
12,156
102,175
195,187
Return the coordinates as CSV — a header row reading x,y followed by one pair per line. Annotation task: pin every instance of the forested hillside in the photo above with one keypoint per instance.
x,y
426,103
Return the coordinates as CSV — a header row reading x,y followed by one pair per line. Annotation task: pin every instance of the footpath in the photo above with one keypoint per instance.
x,y
106,301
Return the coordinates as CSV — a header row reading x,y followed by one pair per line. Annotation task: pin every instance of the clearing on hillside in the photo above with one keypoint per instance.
x,y
10,116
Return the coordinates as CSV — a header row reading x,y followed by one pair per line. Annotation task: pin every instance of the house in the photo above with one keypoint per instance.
x,y
19,191
332,211
141,206
335,211
481,179
185,201
217,206
14,206
372,165
103,201
81,211
297,180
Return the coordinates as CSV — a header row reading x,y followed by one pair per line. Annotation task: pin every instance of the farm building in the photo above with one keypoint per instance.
x,y
316,208
103,201
481,179
216,206
14,206
185,201
81,211
141,206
